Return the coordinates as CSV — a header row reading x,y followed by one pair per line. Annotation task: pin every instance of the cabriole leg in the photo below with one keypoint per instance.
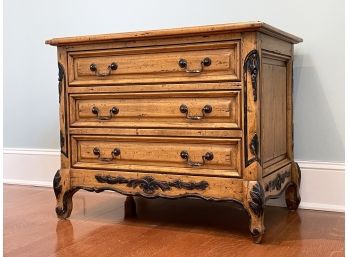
x,y
64,194
254,199
292,193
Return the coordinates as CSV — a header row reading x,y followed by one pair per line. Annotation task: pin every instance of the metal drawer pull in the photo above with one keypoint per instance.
x,y
114,153
93,67
206,109
207,157
204,63
113,111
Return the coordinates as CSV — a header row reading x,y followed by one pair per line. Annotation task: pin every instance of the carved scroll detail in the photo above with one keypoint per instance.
x,y
149,185
257,199
61,76
277,182
63,108
251,66
57,187
254,146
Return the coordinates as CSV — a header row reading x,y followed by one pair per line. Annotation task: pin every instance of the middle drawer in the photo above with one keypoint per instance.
x,y
200,156
203,110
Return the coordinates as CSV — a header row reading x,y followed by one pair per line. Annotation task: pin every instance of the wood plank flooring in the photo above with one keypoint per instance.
x,y
185,227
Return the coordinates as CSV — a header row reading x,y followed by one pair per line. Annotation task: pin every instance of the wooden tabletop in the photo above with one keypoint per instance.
x,y
233,27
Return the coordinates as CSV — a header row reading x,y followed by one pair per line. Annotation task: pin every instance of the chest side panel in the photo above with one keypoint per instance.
x,y
275,104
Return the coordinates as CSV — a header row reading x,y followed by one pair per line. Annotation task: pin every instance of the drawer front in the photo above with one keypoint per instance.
x,y
214,110
190,62
211,157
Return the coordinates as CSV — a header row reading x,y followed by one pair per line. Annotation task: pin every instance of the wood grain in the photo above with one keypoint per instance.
x,y
211,29
273,106
185,227
158,154
159,110
156,64
213,133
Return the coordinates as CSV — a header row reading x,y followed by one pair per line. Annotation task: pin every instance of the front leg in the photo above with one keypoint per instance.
x,y
64,193
254,199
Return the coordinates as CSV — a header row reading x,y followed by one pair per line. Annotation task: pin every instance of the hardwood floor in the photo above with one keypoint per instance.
x,y
185,227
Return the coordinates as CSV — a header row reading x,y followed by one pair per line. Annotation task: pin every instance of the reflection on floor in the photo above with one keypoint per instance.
x,y
185,227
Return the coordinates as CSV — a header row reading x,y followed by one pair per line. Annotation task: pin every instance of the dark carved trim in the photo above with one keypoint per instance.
x,y
256,234
254,146
278,194
149,185
62,139
68,195
277,182
251,65
61,85
61,75
257,196
66,198
186,195
57,187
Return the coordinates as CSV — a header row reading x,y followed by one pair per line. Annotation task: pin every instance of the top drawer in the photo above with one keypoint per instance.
x,y
183,63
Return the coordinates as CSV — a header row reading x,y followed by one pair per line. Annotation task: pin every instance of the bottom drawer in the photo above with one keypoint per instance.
x,y
200,156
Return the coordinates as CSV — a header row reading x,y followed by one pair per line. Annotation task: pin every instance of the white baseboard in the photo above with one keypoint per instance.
x,y
28,182
322,186
30,166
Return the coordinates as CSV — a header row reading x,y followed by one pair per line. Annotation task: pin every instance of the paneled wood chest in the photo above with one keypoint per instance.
x,y
192,112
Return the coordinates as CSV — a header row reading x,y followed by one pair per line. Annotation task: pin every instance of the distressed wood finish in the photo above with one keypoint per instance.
x,y
194,112
145,109
159,154
156,64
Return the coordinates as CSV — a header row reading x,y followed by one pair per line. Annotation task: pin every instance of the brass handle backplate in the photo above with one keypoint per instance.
x,y
113,111
207,157
205,110
114,153
204,63
93,67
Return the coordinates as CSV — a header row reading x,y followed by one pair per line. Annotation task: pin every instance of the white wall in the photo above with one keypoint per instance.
x,y
30,67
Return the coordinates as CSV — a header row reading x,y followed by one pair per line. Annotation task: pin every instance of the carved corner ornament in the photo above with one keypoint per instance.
x,y
64,128
57,187
250,72
149,185
61,77
257,199
252,65
254,146
277,182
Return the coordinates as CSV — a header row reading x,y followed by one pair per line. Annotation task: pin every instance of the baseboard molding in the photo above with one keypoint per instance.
x,y
322,207
28,182
30,166
322,186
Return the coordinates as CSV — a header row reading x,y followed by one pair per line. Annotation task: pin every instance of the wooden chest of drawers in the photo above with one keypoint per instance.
x,y
193,112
